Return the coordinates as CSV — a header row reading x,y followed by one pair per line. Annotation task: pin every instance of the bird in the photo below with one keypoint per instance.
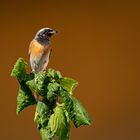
x,y
40,49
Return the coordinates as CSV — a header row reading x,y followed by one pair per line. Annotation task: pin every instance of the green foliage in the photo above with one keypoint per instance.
x,y
55,75
52,90
19,70
24,98
42,114
55,107
80,116
59,124
68,84
46,133
76,111
39,83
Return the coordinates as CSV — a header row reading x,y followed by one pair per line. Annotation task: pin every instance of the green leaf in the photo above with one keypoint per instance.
x,y
68,84
52,89
19,69
29,76
39,83
80,114
42,114
58,123
76,111
66,98
24,98
54,74
46,134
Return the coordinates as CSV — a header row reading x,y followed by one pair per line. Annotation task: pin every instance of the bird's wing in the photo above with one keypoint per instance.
x,y
50,53
46,58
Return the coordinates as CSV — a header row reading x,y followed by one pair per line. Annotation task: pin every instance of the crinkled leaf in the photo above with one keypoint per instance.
x,y
80,114
68,84
66,98
19,69
46,134
24,98
58,124
54,74
42,114
76,111
52,89
39,83
29,77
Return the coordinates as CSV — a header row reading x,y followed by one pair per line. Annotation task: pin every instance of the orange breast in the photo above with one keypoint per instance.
x,y
36,49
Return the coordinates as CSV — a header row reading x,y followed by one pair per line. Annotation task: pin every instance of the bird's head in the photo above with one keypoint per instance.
x,y
44,35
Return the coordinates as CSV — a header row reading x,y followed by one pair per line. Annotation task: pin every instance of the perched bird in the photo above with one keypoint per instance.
x,y
40,49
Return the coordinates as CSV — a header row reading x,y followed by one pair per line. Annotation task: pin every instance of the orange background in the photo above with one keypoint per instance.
x,y
99,45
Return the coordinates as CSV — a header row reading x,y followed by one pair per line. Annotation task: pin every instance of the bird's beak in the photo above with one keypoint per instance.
x,y
54,32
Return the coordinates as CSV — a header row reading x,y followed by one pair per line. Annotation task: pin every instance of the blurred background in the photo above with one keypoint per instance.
x,y
98,45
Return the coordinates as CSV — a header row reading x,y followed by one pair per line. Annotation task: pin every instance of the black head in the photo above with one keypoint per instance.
x,y
44,35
